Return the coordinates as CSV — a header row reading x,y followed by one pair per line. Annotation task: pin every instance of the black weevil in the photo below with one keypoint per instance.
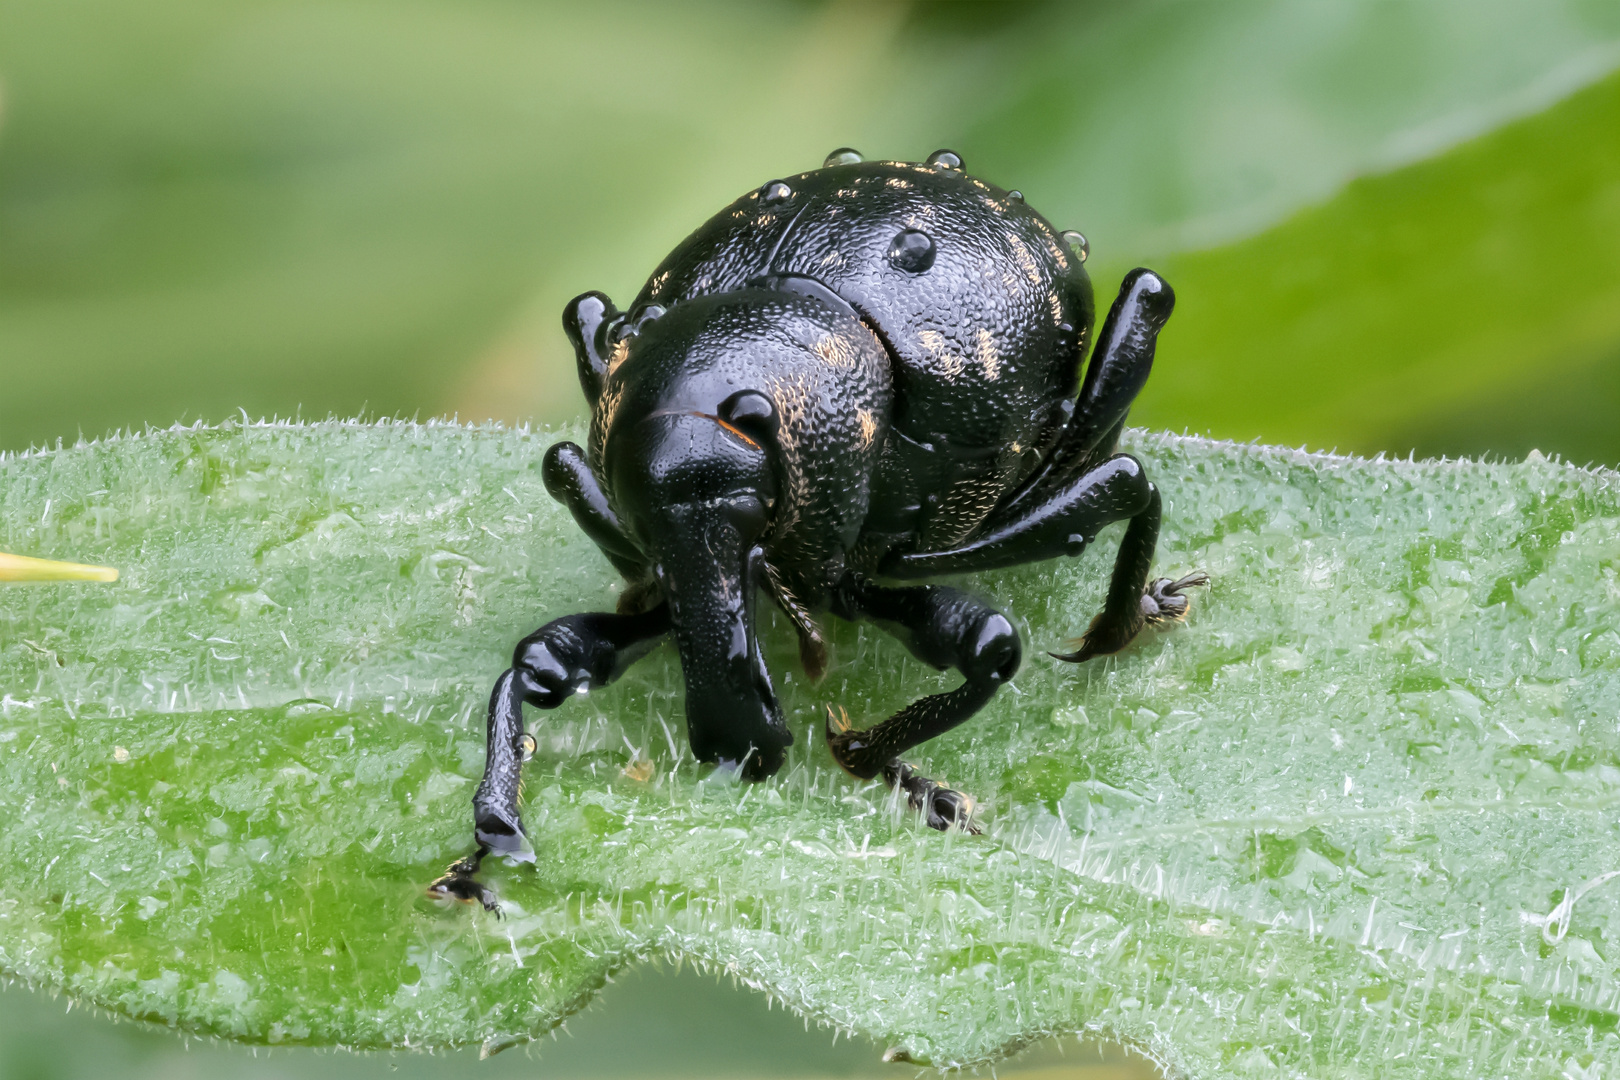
x,y
866,372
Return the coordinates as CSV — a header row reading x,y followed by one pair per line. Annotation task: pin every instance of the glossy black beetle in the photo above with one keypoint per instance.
x,y
866,371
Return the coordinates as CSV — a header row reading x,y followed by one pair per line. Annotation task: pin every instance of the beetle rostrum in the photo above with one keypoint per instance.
x,y
861,376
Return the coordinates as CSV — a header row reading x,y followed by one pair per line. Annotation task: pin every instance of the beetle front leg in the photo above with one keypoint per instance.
x,y
565,657
944,628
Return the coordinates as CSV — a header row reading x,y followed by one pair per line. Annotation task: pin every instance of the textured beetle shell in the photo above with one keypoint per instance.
x,y
986,343
829,380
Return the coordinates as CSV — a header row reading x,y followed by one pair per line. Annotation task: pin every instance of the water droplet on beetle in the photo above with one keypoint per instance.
x,y
776,191
912,251
945,159
528,746
1015,195
1076,242
844,155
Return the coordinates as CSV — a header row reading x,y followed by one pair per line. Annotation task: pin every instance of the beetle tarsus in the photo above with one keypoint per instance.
x,y
1165,600
458,884
942,806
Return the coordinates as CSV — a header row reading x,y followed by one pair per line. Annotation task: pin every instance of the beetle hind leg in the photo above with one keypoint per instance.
x,y
1118,370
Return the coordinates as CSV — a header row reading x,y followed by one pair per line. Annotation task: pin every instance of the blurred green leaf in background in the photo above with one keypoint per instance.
x,y
1392,226
276,206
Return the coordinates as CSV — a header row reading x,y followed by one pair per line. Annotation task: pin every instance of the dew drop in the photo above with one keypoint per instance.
x,y
528,746
945,159
911,251
776,191
844,155
1076,242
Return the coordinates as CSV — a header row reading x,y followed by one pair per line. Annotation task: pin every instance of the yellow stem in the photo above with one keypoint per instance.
x,y
22,568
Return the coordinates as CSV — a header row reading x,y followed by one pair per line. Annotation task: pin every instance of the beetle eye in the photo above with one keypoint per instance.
x,y
750,412
911,251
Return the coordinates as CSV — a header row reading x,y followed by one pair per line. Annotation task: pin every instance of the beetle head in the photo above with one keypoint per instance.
x,y
698,489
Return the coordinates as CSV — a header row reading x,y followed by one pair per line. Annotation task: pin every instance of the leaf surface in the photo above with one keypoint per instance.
x,y
1316,831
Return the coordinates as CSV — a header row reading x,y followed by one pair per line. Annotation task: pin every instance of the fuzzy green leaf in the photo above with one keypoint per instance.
x,y
1317,831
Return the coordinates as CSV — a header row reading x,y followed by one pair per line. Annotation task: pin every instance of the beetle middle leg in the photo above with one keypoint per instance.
x,y
569,480
945,628
565,657
1065,524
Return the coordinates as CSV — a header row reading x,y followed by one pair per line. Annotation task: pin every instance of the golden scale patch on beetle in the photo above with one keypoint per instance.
x,y
988,357
1058,256
791,395
896,182
868,427
1057,308
950,365
834,350
967,503
1025,261
607,407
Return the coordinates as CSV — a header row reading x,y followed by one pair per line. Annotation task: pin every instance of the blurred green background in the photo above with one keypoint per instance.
x,y
1391,226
